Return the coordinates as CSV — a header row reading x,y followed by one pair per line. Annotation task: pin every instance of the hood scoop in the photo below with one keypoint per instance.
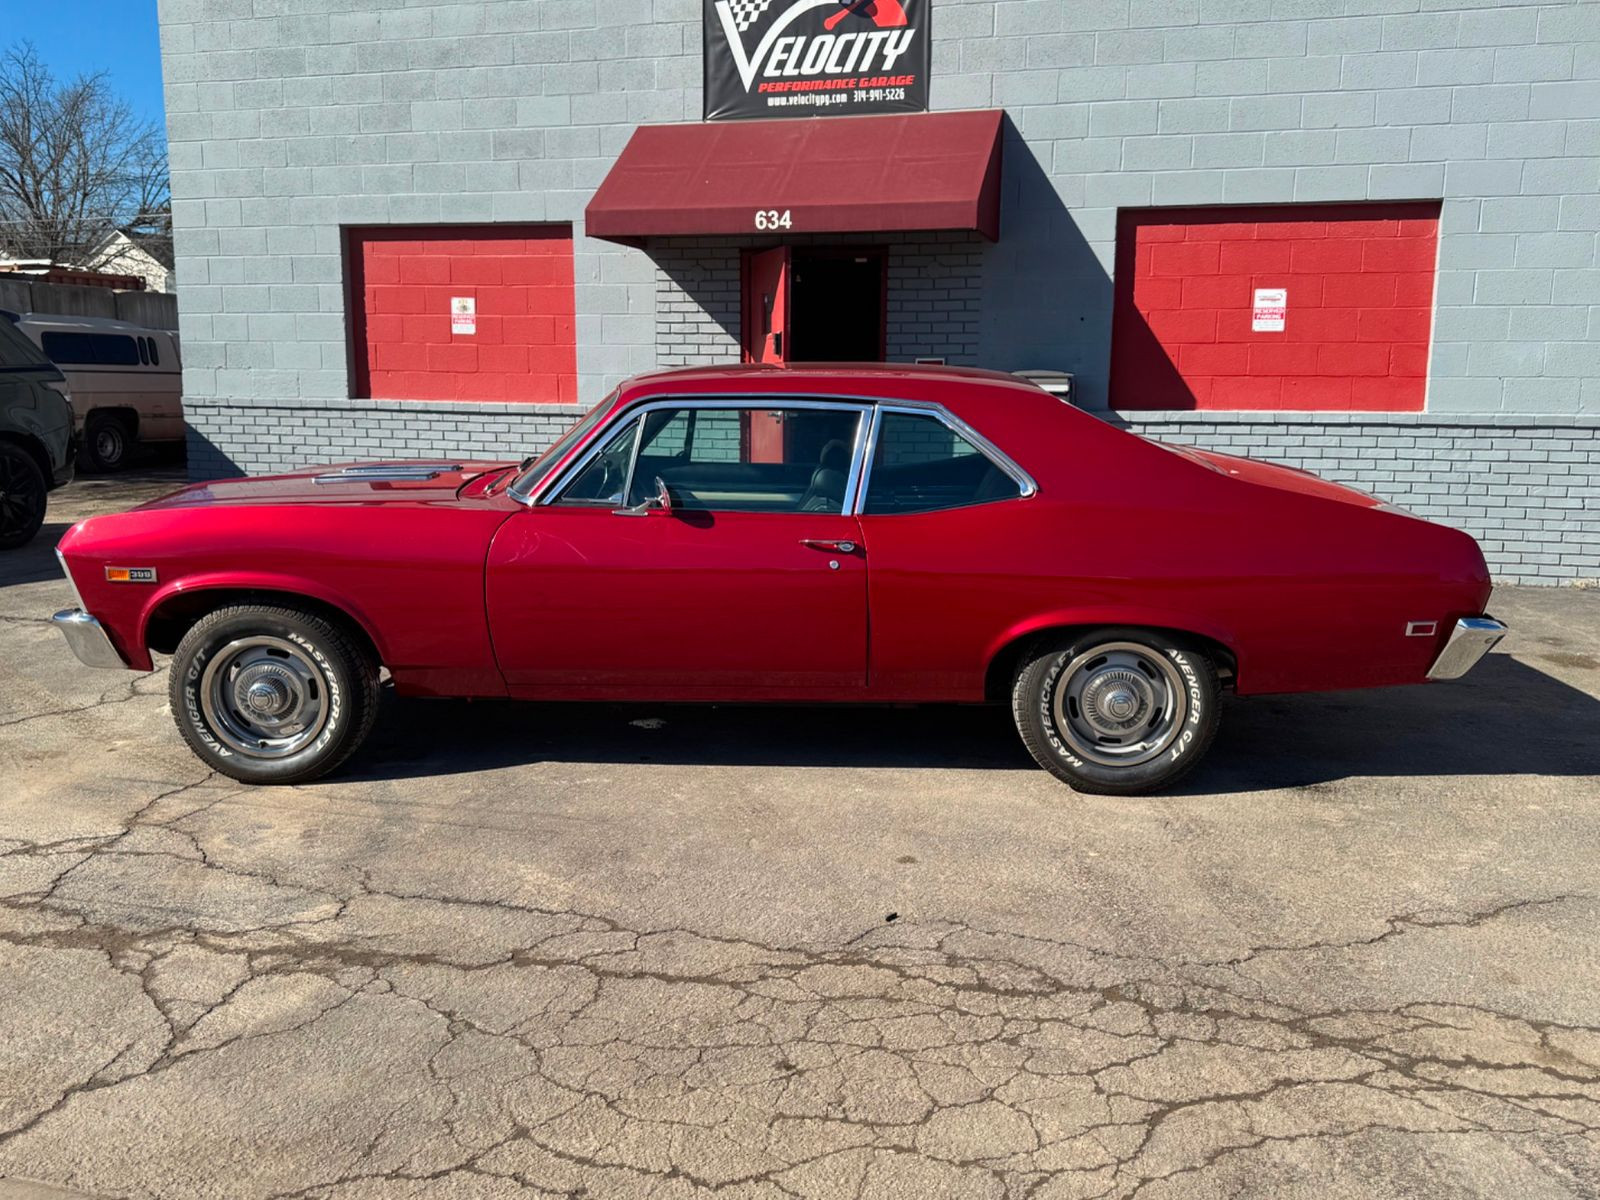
x,y
419,472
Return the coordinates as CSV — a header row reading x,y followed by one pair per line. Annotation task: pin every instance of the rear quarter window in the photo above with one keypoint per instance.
x,y
922,465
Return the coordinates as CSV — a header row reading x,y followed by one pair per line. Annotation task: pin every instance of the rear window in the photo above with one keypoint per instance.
x,y
103,349
922,465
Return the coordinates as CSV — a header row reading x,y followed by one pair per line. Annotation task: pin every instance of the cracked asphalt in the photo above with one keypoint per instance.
x,y
671,952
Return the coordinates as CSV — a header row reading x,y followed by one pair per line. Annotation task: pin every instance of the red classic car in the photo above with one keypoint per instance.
x,y
823,533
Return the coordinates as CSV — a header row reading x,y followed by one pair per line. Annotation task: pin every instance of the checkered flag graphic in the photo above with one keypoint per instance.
x,y
747,12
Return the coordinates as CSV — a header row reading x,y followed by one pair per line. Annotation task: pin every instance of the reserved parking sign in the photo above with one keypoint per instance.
x,y
1268,312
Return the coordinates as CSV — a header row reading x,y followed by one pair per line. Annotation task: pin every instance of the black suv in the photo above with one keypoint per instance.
x,y
36,439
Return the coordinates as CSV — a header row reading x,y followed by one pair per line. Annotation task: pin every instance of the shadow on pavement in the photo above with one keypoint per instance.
x,y
1506,718
35,562
85,496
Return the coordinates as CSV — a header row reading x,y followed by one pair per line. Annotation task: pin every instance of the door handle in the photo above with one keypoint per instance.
x,y
835,547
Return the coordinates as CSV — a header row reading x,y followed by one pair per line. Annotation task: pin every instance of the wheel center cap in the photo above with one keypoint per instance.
x,y
267,697
1120,704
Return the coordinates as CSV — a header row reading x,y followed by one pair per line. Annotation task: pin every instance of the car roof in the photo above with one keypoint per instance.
x,y
871,380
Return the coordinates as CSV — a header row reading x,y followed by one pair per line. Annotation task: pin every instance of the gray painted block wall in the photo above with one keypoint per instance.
x,y
291,118
288,120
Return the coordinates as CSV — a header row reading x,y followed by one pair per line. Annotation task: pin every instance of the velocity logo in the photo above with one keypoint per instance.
x,y
853,55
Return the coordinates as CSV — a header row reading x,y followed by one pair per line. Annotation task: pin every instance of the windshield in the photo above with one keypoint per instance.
x,y
535,469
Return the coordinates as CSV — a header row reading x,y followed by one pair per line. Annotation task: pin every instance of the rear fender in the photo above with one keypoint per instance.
x,y
1120,615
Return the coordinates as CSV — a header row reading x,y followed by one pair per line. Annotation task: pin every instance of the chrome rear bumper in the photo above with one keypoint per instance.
x,y
1470,640
88,639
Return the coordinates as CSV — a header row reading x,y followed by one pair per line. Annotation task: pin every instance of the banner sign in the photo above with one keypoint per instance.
x,y
810,58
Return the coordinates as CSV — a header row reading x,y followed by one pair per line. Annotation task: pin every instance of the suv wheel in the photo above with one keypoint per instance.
x,y
107,443
272,695
1116,711
23,494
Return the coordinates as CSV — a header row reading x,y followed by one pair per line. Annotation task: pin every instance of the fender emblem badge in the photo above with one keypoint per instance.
x,y
130,574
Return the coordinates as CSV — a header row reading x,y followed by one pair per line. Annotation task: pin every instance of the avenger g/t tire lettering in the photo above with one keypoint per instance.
x,y
1116,711
272,695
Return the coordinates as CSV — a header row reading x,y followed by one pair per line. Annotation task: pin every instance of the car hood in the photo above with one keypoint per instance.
x,y
343,483
1288,479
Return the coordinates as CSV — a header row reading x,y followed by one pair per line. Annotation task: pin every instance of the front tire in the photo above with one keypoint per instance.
x,y
24,493
1116,712
272,695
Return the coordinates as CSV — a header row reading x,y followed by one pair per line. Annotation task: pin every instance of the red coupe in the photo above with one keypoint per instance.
x,y
843,533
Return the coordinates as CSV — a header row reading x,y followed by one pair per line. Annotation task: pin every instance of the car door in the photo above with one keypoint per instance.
x,y
752,585
955,556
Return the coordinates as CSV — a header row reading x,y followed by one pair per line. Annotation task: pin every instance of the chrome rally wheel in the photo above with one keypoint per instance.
x,y
1116,711
1119,704
270,694
264,697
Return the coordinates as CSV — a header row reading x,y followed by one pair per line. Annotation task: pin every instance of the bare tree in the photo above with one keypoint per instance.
x,y
75,164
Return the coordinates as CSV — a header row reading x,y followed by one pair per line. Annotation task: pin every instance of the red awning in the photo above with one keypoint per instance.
x,y
878,174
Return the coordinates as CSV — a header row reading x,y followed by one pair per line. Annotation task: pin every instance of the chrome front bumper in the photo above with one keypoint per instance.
x,y
88,639
1470,640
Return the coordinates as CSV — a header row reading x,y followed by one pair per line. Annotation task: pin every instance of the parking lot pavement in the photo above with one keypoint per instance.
x,y
614,952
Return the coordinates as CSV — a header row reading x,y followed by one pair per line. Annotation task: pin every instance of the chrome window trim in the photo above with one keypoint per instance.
x,y
633,459
872,407
1027,488
862,406
524,494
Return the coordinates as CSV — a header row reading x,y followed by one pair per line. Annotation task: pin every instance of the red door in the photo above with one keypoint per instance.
x,y
585,603
765,319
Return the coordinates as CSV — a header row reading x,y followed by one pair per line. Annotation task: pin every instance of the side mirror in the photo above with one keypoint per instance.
x,y
661,502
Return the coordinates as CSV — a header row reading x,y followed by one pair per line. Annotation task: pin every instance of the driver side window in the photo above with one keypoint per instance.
x,y
748,457
603,480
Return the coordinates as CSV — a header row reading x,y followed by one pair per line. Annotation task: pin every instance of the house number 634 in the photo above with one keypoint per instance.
x,y
771,218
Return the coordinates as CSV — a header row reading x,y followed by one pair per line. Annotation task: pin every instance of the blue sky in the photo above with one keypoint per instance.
x,y
76,37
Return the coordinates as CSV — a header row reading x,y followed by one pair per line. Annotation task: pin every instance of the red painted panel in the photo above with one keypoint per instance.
x,y
1359,318
402,281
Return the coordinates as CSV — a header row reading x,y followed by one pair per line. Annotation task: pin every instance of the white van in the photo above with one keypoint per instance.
x,y
126,382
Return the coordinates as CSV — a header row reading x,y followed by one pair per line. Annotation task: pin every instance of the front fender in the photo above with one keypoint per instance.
x,y
287,585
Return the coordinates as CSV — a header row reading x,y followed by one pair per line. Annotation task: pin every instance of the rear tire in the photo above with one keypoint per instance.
x,y
272,695
108,443
1116,712
24,493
